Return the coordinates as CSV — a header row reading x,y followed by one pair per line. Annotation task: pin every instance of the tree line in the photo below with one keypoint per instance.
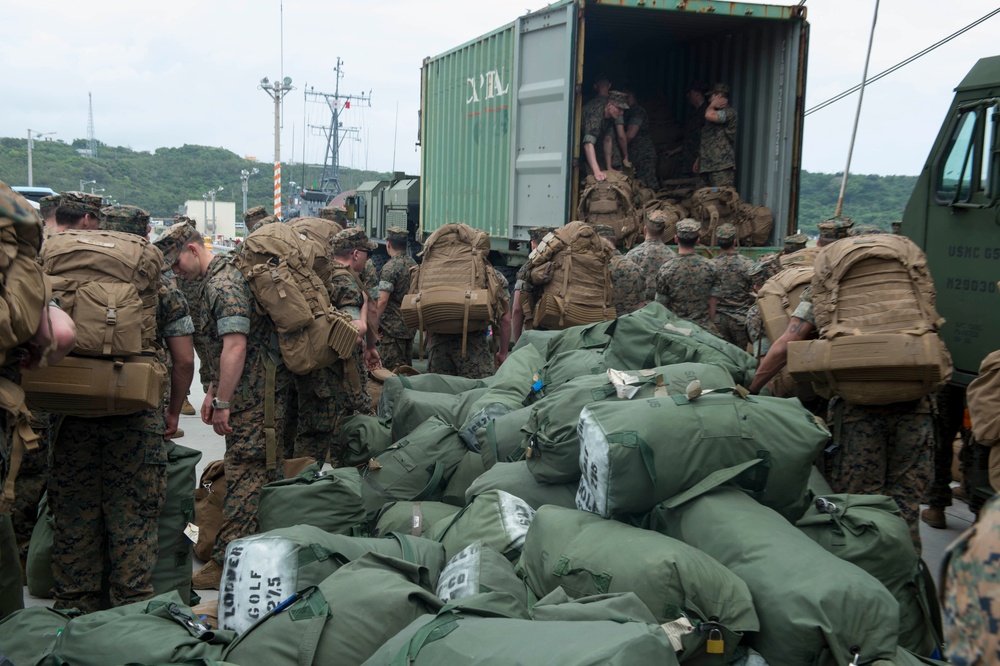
x,y
160,181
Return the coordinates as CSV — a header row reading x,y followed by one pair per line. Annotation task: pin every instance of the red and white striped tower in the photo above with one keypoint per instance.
x,y
277,190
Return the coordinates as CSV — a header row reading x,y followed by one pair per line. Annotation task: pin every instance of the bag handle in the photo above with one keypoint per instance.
x,y
713,480
442,625
437,476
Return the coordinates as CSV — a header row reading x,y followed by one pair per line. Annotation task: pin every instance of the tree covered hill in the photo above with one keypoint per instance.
x,y
162,180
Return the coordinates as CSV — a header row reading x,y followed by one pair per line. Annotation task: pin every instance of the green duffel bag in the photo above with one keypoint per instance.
x,y
586,555
564,367
589,336
413,518
480,568
553,451
814,608
159,630
868,531
38,566
263,570
416,467
536,338
427,383
558,606
413,408
364,436
329,500
27,635
818,485
344,619
514,478
173,558
456,637
511,384
501,439
465,474
904,657
644,340
496,517
640,452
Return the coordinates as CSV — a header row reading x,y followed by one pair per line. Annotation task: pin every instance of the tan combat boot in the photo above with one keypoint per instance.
x,y
208,577
187,409
934,517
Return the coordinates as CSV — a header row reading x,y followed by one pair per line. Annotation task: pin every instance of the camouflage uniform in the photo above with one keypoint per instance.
x,y
684,286
692,137
395,348
628,285
350,378
228,307
108,481
735,296
641,151
717,150
32,480
649,256
594,127
11,593
971,592
254,218
879,449
949,403
444,355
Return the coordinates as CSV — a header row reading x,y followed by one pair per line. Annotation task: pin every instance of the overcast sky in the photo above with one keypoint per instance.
x,y
187,72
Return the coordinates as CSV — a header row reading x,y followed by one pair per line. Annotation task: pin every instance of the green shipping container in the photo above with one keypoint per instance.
x,y
500,115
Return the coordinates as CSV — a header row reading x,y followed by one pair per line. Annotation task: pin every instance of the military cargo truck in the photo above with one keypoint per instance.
x,y
954,213
501,114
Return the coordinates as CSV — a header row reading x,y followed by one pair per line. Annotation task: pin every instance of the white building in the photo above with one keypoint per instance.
x,y
224,223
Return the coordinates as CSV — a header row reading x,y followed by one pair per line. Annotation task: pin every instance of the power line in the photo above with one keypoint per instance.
x,y
899,65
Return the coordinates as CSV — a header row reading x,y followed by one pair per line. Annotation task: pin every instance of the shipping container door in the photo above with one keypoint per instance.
x,y
544,81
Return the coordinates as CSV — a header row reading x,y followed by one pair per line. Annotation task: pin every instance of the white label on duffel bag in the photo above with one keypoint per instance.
x,y
460,579
516,517
259,573
595,466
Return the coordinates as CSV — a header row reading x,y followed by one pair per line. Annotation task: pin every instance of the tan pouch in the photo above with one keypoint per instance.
x,y
275,285
108,318
93,387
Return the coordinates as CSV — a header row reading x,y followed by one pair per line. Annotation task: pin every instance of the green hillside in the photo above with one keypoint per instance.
x,y
162,180
159,181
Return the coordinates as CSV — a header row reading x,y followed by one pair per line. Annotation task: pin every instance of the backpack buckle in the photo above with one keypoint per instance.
x,y
111,317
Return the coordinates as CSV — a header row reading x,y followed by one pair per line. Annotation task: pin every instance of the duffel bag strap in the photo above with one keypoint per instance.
x,y
24,438
713,480
442,625
437,477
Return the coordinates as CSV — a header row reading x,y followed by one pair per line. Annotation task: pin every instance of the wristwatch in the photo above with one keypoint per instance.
x,y
219,404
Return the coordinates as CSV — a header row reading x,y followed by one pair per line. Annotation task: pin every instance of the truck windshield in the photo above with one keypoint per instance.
x,y
964,170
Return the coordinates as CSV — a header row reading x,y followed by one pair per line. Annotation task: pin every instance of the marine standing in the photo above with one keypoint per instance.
x,y
652,252
716,163
599,115
395,345
524,298
686,284
628,287
734,291
245,400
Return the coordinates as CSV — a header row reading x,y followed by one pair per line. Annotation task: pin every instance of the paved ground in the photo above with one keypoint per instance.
x,y
199,436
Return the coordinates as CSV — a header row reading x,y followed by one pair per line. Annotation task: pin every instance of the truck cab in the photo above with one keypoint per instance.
x,y
954,215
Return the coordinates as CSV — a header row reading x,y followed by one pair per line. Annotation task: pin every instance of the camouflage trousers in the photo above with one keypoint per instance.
x,y
445,355
11,592
971,593
732,328
317,415
949,403
245,464
642,154
106,489
395,352
30,484
883,450
721,178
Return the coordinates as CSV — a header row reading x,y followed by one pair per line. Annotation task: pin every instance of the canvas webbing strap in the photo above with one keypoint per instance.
x,y
24,438
270,436
465,321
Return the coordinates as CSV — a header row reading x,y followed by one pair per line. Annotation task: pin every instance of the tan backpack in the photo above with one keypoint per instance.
x,y
776,300
712,206
570,268
674,213
873,299
109,283
454,289
277,264
321,232
24,291
753,224
611,202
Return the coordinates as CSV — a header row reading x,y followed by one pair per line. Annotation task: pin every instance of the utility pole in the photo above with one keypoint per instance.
x,y
204,198
244,178
337,103
277,91
86,182
30,146
91,138
212,194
